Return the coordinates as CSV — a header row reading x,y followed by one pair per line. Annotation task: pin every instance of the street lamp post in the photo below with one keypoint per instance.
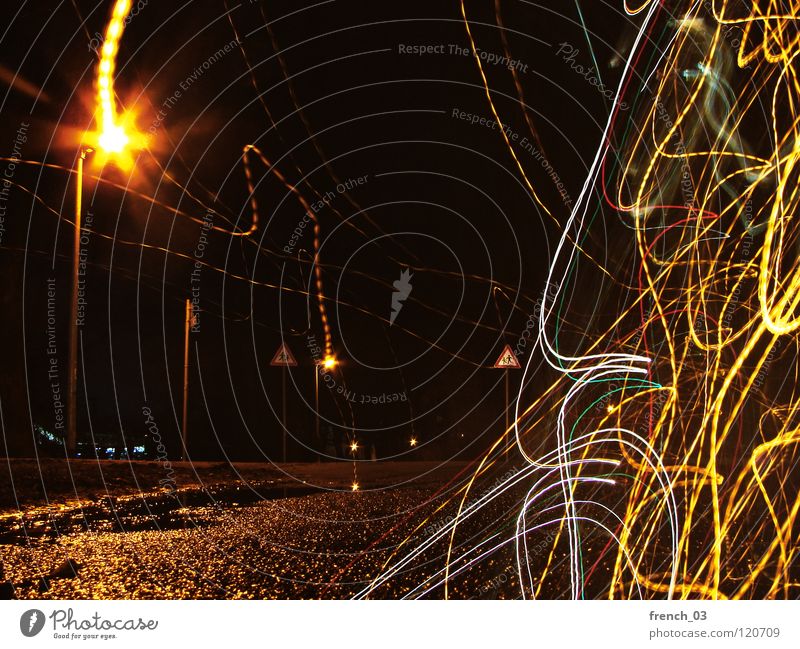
x,y
72,403
316,409
112,146
329,362
187,326
284,371
113,142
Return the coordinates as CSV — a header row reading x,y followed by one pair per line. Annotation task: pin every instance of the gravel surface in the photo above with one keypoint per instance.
x,y
325,545
298,534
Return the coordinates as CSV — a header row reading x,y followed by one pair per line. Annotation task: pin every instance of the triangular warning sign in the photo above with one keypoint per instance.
x,y
507,360
283,357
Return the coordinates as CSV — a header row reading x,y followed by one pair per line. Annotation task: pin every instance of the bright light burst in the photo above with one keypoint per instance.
x,y
116,135
113,139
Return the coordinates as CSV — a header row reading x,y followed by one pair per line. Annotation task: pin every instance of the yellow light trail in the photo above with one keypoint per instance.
x,y
668,408
115,136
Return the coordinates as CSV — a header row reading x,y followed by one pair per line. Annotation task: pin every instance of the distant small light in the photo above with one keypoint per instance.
x,y
329,362
355,486
354,447
610,409
413,441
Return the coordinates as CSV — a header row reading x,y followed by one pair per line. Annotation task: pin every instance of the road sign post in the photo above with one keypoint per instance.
x,y
507,361
285,359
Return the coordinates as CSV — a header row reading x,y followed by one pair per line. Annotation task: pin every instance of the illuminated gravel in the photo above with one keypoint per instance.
x,y
325,545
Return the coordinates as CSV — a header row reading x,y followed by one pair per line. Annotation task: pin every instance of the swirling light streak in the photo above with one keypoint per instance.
x,y
328,361
678,401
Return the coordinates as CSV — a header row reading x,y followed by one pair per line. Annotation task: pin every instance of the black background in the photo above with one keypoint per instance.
x,y
453,187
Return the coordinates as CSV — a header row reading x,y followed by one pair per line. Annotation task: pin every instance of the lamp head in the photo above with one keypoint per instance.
x,y
116,141
113,140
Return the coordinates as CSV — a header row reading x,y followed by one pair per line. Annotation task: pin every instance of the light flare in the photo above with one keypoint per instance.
x,y
115,136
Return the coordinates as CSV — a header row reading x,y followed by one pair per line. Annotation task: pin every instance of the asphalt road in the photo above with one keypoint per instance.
x,y
275,538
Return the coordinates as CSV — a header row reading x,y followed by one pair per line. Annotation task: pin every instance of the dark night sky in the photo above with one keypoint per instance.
x,y
441,197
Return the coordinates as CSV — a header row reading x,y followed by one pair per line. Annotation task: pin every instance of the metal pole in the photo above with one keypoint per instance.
x,y
72,404
316,407
184,420
507,407
283,396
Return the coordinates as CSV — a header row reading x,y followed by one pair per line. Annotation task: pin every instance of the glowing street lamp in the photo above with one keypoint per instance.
x,y
115,136
113,142
328,363
110,146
